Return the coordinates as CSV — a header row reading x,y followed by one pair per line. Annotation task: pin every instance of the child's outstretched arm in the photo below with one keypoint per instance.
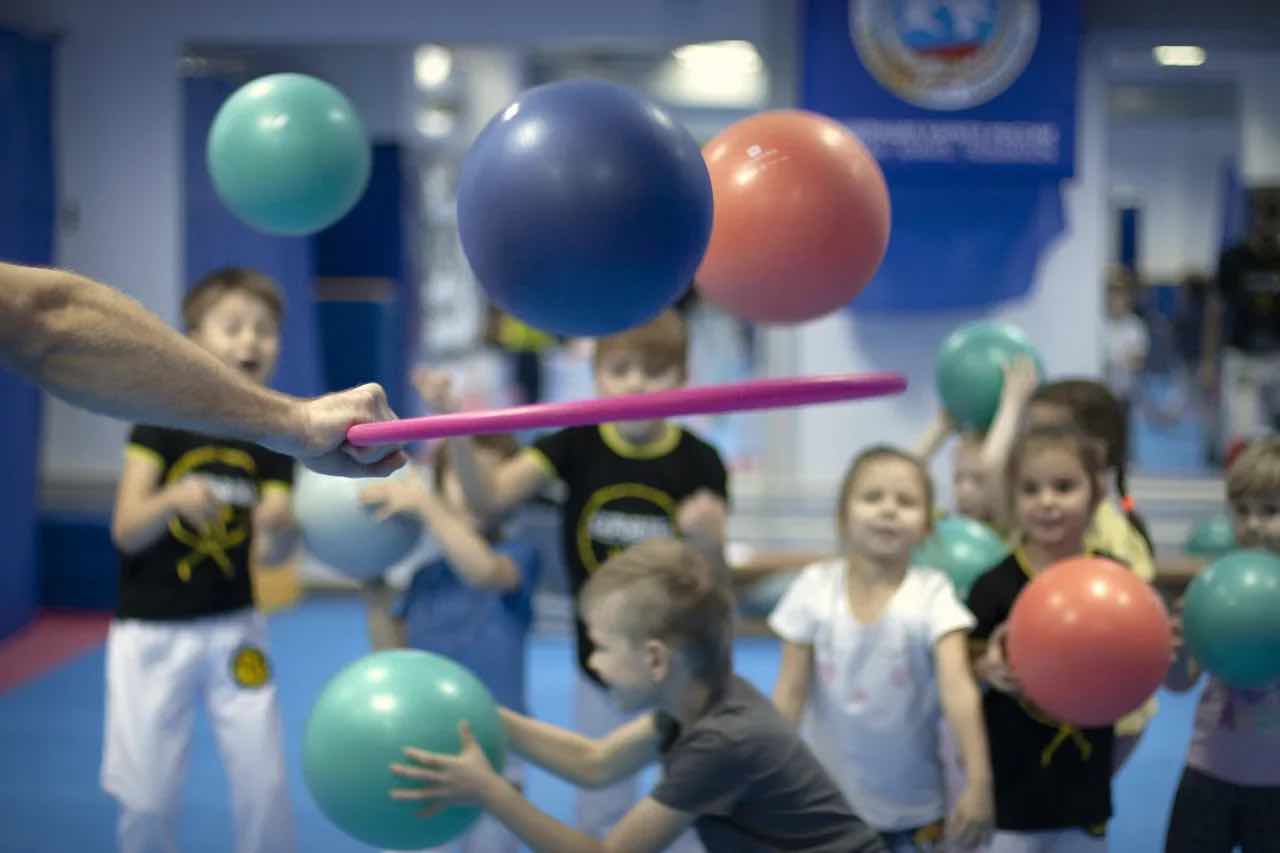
x,y
971,821
474,559
469,778
487,493
586,762
939,430
1020,382
791,690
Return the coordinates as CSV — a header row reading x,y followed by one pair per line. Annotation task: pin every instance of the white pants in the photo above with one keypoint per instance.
x,y
1052,841
156,674
595,715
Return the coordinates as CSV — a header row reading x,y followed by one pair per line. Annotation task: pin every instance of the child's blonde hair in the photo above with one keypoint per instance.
x,y
672,595
1255,473
874,454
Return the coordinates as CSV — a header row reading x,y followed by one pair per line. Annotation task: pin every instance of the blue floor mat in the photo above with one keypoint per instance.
x,y
51,745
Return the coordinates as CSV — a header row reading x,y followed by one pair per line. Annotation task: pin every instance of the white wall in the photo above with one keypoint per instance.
x,y
1172,169
1259,77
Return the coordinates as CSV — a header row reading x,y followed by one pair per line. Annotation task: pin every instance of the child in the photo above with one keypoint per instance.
x,y
1115,530
732,768
1052,780
1230,789
189,509
626,483
1125,338
473,603
978,464
888,641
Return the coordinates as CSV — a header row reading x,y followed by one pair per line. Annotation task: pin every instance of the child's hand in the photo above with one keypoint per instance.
x,y
192,498
1020,379
703,516
994,667
971,821
466,778
271,516
396,496
436,389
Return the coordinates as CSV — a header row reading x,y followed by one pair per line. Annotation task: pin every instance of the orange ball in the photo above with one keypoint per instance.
x,y
801,217
1089,641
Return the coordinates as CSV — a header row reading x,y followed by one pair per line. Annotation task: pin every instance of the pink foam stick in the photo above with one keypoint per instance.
x,y
709,399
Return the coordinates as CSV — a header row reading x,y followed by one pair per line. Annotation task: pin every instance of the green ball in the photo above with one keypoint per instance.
x,y
1231,618
288,154
963,548
970,370
1211,537
364,718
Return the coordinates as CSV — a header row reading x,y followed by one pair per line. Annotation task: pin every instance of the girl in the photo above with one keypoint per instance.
x,y
1052,780
887,643
1115,528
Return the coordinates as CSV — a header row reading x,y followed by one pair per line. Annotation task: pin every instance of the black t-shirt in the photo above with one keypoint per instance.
x,y
1047,774
620,494
184,574
1249,284
753,783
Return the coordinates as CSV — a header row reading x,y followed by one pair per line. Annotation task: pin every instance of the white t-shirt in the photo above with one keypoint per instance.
x,y
873,709
1126,340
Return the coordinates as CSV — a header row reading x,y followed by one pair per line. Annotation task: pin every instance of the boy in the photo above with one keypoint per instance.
x,y
732,768
1229,793
626,483
472,603
189,509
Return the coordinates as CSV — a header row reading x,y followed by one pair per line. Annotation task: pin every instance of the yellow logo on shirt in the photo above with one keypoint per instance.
x,y
249,667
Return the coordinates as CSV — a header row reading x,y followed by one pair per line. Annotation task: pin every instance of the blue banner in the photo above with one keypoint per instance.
x,y
940,87
969,106
26,236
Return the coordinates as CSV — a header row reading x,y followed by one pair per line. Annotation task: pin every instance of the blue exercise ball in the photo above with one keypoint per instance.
x,y
341,532
583,208
288,154
964,548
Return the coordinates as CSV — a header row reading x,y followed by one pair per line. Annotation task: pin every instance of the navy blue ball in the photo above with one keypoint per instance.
x,y
584,208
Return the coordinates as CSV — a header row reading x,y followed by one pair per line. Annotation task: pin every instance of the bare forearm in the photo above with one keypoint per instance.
x,y
468,553
537,829
99,349
962,704
563,752
477,486
139,526
933,438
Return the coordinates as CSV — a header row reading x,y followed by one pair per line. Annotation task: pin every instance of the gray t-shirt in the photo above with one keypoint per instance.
x,y
754,785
